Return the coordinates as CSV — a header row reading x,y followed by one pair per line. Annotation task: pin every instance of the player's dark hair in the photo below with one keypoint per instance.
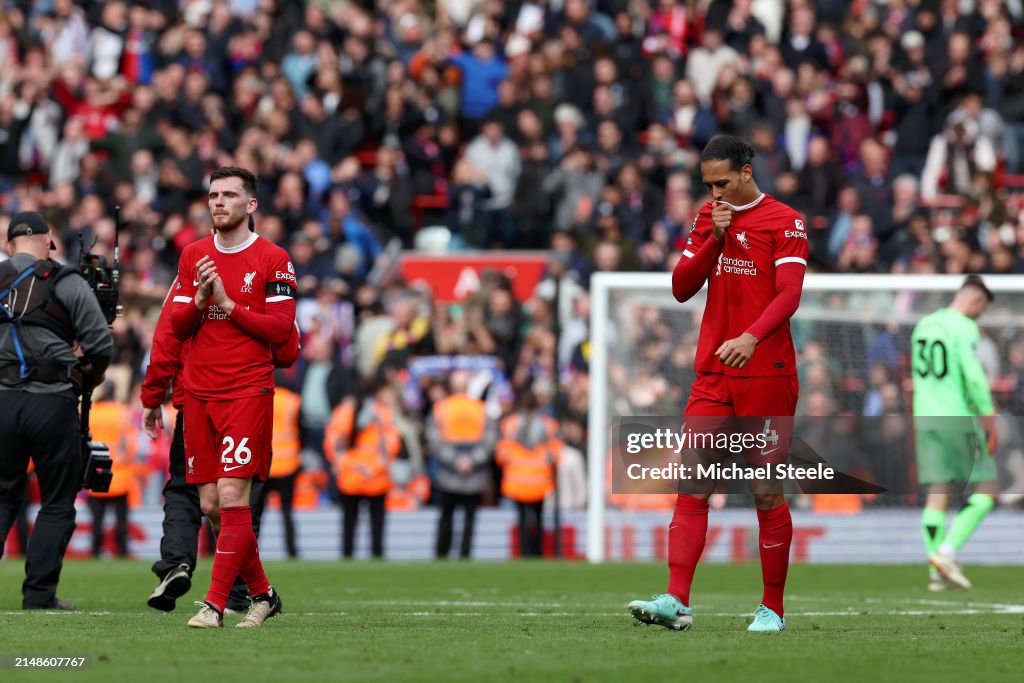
x,y
728,148
247,177
976,282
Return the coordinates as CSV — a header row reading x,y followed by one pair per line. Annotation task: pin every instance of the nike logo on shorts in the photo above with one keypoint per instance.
x,y
769,547
770,450
233,467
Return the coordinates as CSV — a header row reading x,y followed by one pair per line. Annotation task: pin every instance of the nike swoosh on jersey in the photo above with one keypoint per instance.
x,y
764,452
195,283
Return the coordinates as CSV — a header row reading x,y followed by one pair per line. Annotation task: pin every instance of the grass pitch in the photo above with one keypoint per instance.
x,y
527,621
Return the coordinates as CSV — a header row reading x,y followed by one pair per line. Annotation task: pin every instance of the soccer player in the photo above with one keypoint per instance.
x,y
182,514
949,382
752,251
235,300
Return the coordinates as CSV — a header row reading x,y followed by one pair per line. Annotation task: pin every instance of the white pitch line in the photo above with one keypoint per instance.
x,y
954,608
967,611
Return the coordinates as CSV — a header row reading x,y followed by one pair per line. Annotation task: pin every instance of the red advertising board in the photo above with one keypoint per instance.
x,y
456,276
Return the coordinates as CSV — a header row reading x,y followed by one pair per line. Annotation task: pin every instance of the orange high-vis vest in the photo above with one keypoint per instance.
x,y
338,430
836,503
460,419
364,472
410,497
528,474
285,444
110,423
363,469
307,490
636,502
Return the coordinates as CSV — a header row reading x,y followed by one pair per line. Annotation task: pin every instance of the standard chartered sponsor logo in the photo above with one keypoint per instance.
x,y
737,266
216,313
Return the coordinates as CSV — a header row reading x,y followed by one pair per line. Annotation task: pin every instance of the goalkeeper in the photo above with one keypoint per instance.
x,y
949,382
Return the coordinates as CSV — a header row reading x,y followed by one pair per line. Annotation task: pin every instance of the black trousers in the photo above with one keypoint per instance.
x,y
19,530
183,517
350,517
45,427
285,487
98,506
531,528
448,503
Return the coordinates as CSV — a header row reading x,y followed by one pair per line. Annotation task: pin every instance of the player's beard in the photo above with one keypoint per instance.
x,y
233,222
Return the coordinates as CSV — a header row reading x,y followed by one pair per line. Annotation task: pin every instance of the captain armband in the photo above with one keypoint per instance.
x,y
278,291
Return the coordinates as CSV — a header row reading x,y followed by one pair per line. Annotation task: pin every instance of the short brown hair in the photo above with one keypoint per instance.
x,y
248,177
976,282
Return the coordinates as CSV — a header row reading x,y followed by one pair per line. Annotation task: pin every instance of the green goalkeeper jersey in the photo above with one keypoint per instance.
x,y
948,377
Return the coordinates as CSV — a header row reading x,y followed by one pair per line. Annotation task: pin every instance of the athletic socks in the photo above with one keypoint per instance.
x,y
965,522
933,527
774,540
252,571
236,551
687,533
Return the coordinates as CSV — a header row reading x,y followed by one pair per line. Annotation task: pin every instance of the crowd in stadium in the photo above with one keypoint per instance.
x,y
895,127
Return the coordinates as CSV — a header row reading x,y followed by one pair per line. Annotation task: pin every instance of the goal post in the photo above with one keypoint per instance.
x,y
850,307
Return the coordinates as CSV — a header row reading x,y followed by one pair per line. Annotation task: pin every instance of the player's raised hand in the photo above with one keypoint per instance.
x,y
206,270
220,295
152,421
721,219
736,352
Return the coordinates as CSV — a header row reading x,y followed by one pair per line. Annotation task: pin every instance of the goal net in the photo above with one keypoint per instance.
x,y
852,336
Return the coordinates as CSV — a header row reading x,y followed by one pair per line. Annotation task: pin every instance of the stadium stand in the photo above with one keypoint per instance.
x,y
569,126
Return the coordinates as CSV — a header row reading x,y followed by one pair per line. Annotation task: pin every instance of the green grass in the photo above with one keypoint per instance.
x,y
528,622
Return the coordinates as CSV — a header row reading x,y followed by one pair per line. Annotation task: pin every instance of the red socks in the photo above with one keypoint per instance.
x,y
776,535
236,550
687,533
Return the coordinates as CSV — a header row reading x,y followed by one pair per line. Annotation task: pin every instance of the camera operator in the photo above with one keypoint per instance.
x,y
53,335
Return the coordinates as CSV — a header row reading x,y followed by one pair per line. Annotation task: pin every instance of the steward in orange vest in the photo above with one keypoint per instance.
x,y
285,461
361,442
528,454
461,439
110,423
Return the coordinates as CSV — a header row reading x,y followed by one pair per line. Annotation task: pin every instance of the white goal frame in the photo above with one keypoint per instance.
x,y
601,286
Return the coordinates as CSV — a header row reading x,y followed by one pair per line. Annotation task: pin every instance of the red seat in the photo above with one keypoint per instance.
x,y
423,202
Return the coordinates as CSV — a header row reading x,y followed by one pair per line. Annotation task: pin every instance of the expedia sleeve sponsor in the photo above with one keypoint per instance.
x,y
280,289
287,273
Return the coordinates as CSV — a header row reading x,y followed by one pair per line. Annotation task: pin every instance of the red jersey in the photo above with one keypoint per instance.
x,y
764,235
231,357
167,355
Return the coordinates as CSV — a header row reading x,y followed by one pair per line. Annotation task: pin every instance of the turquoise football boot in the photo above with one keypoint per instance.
x,y
663,610
766,621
